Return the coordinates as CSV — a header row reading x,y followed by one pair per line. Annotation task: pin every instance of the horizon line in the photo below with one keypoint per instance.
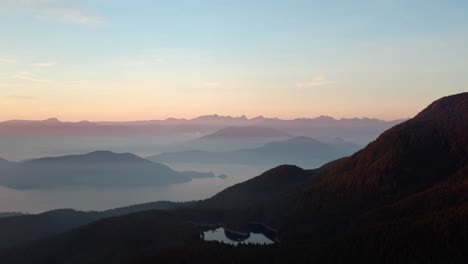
x,y
245,117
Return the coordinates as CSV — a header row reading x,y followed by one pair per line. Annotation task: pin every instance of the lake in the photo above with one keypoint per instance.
x,y
227,236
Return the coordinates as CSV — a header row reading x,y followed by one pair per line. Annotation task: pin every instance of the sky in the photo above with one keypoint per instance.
x,y
149,59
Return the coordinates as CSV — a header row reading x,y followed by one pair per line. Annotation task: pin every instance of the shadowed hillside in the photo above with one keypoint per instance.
x,y
259,190
410,158
20,229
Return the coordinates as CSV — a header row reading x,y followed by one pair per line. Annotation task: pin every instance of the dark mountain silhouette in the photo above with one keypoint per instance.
x,y
114,240
411,155
18,229
402,199
259,190
302,151
414,171
8,214
97,169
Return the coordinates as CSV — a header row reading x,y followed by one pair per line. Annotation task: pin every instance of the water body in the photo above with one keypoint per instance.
x,y
36,201
227,236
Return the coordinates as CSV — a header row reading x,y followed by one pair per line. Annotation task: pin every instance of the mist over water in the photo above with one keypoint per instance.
x,y
25,145
36,201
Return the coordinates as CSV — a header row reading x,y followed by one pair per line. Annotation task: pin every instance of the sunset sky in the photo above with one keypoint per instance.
x,y
138,60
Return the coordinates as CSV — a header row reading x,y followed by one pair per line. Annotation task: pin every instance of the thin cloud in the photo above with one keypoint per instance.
x,y
315,82
62,10
72,15
45,64
27,76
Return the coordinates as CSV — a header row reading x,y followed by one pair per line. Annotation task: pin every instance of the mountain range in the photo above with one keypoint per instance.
x,y
401,199
229,139
302,151
215,119
353,128
53,137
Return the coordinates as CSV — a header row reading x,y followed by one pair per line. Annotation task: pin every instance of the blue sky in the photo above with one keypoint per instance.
x,y
121,60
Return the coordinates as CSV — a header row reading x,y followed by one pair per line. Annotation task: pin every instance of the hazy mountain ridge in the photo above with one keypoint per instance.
x,y
240,132
207,119
95,169
203,124
146,138
95,156
230,139
302,151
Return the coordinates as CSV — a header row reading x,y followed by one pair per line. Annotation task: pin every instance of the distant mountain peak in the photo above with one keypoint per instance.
x,y
95,156
101,152
324,117
175,119
52,120
446,107
85,122
296,140
246,132
217,117
301,138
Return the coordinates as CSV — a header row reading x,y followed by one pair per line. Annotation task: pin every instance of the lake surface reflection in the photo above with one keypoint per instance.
x,y
233,238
